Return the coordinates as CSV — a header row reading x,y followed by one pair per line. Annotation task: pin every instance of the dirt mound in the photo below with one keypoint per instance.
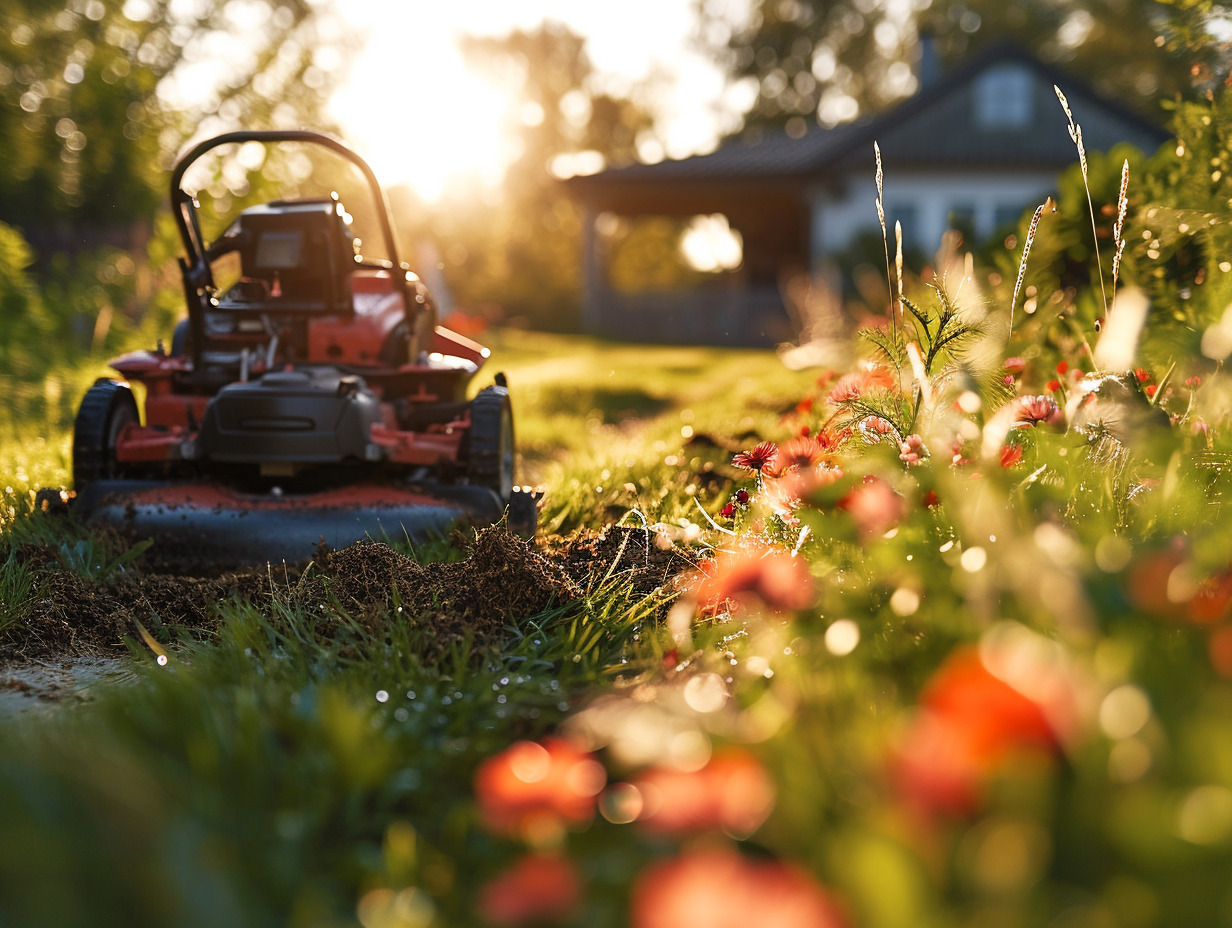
x,y
501,581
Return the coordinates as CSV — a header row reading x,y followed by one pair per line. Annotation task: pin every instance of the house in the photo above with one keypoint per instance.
x,y
973,149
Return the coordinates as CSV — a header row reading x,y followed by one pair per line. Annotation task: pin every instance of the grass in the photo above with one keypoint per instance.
x,y
275,775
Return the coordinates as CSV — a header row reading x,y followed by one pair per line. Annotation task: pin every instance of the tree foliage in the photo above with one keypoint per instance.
x,y
95,93
523,252
837,59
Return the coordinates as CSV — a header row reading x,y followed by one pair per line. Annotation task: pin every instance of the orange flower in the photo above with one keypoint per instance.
x,y
1167,585
721,889
969,723
780,581
538,888
732,792
533,787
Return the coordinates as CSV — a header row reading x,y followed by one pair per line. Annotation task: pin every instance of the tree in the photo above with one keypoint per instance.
x,y
94,93
834,60
523,252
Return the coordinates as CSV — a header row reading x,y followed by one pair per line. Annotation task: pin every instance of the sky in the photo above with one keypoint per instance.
x,y
437,142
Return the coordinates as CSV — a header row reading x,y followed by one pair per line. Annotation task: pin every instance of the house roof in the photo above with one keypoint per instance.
x,y
933,129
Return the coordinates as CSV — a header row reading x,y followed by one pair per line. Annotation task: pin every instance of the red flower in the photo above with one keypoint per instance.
x,y
758,459
1062,367
968,724
535,786
728,511
1054,385
742,497
1032,410
538,888
1193,382
722,889
1011,455
1151,389
732,792
1142,375
777,579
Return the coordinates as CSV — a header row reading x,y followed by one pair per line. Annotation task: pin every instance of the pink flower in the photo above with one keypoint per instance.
x,y
722,889
759,459
538,888
874,506
853,386
1032,410
875,428
911,450
1015,365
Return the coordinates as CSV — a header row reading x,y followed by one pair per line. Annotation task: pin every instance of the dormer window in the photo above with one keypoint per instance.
x,y
1003,98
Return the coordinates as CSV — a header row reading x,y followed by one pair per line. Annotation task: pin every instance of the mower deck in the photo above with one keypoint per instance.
x,y
216,523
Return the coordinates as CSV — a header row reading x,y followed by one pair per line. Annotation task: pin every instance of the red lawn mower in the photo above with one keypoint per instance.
x,y
309,395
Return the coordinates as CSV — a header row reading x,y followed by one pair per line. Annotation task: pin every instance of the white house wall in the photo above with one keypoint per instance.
x,y
923,202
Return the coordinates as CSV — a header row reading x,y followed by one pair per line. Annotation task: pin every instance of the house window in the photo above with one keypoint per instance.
x,y
1006,215
1003,98
908,215
961,219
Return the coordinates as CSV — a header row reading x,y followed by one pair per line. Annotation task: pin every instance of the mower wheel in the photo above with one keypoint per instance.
x,y
106,409
489,443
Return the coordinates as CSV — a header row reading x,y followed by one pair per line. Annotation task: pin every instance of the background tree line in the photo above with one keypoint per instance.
x,y
96,97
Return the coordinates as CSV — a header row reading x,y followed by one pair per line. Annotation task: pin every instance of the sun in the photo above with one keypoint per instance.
x,y
420,117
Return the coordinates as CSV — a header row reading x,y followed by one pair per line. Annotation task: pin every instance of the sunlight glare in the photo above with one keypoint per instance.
x,y
424,119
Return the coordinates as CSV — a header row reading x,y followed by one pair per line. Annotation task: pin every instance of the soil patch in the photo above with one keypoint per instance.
x,y
501,581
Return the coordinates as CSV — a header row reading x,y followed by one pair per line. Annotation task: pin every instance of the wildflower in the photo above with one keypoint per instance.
x,y
854,385
1062,367
723,889
1032,410
874,506
781,582
534,788
911,450
799,454
728,511
1015,365
1151,389
1054,386
931,499
742,497
731,792
1168,585
540,887
1142,375
1193,382
758,459
1011,456
875,428
968,724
